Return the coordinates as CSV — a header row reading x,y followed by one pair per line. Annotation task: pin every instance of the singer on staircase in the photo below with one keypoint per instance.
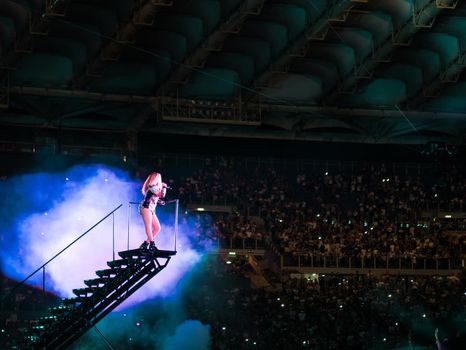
x,y
153,190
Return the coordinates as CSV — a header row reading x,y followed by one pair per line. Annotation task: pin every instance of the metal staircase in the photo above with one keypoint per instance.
x,y
74,316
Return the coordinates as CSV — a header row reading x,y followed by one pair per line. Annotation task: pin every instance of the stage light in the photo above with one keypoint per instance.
x,y
282,305
389,295
326,173
228,262
424,315
396,323
67,179
46,213
278,299
232,253
384,339
106,180
200,209
447,216
138,324
224,328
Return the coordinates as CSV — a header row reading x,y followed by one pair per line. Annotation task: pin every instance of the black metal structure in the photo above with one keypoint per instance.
x,y
385,71
74,316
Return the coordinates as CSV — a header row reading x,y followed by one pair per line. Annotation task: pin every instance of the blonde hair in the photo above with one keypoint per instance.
x,y
153,179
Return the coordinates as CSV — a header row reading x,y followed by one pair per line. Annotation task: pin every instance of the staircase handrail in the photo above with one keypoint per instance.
x,y
61,251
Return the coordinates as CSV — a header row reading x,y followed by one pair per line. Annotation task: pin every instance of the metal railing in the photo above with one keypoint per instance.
x,y
175,233
42,267
241,243
381,262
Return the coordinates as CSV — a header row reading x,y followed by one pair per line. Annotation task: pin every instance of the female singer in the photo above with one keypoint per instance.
x,y
153,190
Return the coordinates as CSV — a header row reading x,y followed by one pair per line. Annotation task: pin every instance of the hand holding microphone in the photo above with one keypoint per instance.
x,y
164,185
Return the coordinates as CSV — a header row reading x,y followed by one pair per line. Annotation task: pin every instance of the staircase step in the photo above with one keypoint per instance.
x,y
84,292
45,320
119,263
136,253
70,302
39,328
59,310
95,282
106,273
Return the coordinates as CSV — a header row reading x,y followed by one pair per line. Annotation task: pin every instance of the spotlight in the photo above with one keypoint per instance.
x,y
224,328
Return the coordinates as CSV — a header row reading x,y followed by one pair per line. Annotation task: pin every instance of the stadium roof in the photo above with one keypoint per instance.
x,y
385,71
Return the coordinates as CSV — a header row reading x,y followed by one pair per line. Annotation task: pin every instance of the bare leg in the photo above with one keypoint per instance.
x,y
155,226
147,218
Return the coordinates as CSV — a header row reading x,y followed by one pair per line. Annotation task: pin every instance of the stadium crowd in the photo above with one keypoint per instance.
x,y
331,311
369,215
